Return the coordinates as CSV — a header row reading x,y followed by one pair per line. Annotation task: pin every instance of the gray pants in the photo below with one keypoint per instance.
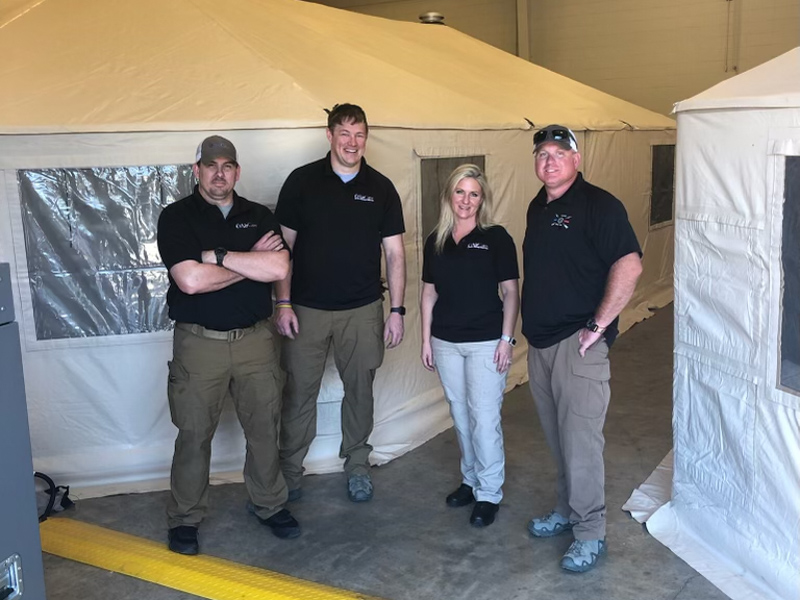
x,y
357,339
474,389
572,395
202,373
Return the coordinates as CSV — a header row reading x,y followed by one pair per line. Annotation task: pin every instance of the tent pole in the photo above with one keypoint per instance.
x,y
523,27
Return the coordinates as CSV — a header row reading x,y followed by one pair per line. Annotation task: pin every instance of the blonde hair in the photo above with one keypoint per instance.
x,y
447,219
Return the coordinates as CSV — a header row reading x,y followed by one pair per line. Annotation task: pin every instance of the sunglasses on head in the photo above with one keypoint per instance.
x,y
556,135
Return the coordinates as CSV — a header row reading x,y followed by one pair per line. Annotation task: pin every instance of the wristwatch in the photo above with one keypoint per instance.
x,y
592,325
220,254
400,310
508,339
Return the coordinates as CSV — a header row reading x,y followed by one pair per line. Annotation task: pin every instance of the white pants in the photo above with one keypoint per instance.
x,y
474,389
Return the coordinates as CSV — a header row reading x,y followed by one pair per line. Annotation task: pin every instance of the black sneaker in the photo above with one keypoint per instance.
x,y
283,524
183,540
483,514
461,497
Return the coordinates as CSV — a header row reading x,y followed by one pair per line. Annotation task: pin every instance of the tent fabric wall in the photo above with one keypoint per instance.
x,y
87,97
97,405
735,508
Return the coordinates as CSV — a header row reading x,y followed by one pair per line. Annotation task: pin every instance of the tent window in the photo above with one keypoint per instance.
x,y
790,262
435,172
662,196
90,238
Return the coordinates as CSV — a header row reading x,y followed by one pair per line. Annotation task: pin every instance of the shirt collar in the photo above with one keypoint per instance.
x,y
566,197
362,169
476,232
238,204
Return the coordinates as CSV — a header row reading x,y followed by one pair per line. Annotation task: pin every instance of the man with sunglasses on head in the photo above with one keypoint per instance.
x,y
222,253
581,263
337,214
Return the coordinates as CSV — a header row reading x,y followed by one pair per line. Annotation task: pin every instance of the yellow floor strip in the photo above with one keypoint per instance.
x,y
203,576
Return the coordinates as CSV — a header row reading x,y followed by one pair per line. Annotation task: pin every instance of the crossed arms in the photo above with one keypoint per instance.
x,y
266,261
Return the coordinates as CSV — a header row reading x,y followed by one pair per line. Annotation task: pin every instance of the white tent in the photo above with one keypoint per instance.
x,y
735,508
107,84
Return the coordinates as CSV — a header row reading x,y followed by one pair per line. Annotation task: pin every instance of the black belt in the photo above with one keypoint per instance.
x,y
232,335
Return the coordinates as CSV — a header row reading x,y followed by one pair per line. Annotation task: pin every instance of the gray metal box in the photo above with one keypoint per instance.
x,y
20,546
6,300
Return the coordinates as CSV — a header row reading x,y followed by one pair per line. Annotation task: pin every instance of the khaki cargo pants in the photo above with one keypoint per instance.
x,y
572,395
202,374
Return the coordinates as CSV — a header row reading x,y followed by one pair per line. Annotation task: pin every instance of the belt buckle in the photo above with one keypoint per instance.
x,y
234,335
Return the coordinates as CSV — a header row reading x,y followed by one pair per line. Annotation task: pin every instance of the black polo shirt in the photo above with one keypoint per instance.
x,y
340,227
570,245
466,276
188,227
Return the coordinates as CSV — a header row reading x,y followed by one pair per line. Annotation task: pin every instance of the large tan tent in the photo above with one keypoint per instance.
x,y
102,106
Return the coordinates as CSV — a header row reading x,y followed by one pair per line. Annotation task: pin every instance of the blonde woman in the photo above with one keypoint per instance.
x,y
467,331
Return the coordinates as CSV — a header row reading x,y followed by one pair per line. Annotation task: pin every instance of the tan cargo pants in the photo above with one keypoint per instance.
x,y
572,395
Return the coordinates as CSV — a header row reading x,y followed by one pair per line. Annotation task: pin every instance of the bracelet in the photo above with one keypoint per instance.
x,y
283,304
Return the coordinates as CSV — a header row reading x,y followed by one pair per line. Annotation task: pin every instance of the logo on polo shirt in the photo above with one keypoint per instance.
x,y
478,246
561,221
362,198
245,225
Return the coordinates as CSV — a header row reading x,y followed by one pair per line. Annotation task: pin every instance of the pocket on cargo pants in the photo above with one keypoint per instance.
x,y
592,373
177,391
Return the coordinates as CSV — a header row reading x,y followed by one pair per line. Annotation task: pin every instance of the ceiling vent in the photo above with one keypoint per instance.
x,y
433,18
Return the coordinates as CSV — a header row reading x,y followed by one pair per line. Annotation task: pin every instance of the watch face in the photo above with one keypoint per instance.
x,y
592,325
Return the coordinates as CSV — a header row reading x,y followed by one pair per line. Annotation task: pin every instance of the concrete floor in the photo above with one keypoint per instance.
x,y
408,545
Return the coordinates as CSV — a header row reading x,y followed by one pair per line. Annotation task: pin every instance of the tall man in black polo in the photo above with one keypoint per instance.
x,y
222,252
336,214
581,262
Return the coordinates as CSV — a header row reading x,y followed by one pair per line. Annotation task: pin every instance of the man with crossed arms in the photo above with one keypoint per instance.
x,y
222,252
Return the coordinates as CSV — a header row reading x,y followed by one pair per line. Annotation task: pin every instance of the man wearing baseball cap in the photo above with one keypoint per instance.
x,y
222,253
581,262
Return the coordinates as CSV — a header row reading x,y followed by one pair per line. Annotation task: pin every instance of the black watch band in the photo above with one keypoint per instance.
x,y
592,325
220,253
400,310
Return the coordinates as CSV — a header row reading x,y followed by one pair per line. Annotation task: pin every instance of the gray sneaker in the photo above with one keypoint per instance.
x,y
359,488
582,555
549,525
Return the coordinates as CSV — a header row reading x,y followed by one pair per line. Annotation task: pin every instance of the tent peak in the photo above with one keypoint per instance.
x,y
773,84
